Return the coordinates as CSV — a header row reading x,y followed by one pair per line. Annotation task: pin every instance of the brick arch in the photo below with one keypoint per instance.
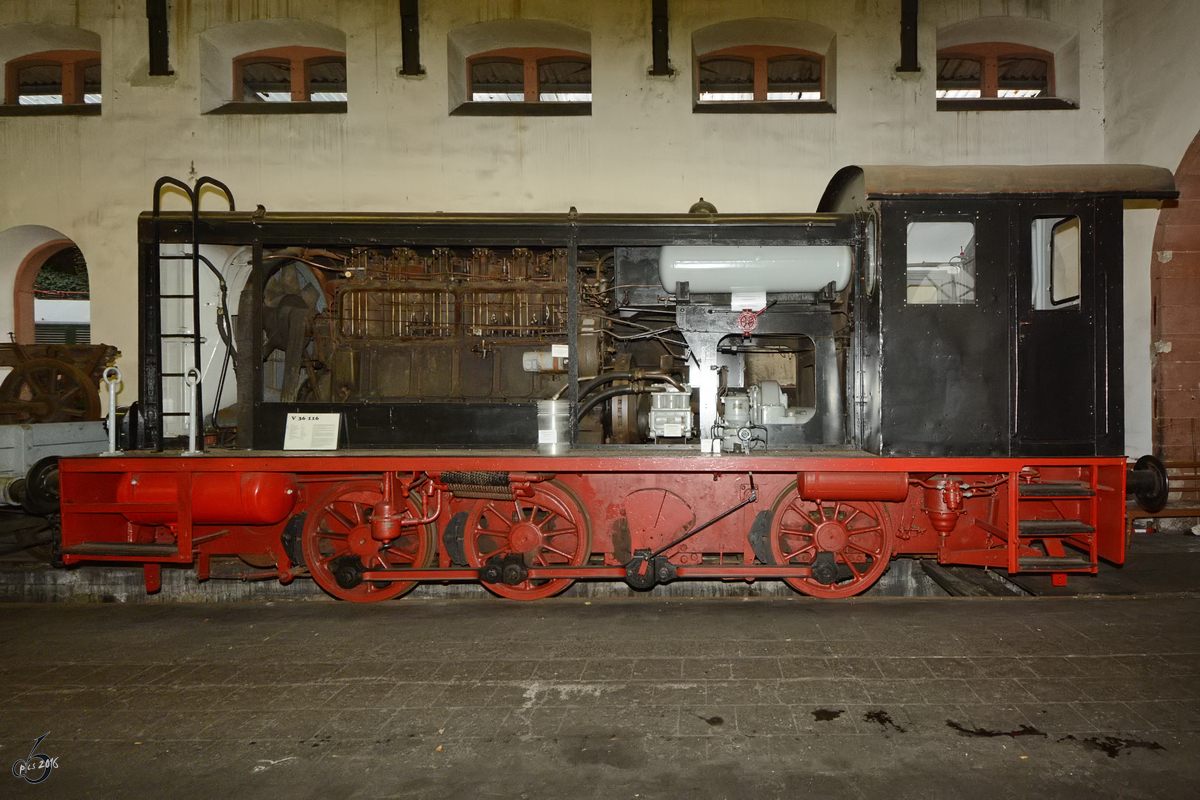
x,y
1175,318
27,274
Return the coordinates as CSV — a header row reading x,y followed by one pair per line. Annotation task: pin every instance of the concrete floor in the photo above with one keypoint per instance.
x,y
614,698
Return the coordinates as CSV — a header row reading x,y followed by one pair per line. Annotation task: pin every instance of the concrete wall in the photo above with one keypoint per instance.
x,y
397,149
1152,75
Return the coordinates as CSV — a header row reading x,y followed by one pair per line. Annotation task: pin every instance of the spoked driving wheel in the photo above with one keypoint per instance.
x,y
548,529
338,546
847,544
48,390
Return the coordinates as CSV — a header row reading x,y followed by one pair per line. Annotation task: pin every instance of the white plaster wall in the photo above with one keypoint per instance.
x,y
1152,77
397,149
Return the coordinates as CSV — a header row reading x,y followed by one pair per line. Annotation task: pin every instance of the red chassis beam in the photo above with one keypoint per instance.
x,y
168,508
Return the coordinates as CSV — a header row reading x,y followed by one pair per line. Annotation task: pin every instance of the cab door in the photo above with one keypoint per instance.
x,y
1058,329
945,371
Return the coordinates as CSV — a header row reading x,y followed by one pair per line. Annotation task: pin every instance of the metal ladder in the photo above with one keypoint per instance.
x,y
155,269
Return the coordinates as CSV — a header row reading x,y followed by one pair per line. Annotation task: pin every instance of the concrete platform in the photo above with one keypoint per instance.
x,y
606,698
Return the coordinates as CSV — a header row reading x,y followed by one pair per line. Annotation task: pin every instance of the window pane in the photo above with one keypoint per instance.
x,y
958,78
40,86
1056,262
267,81
726,79
565,81
327,81
794,78
941,263
91,79
1023,76
497,81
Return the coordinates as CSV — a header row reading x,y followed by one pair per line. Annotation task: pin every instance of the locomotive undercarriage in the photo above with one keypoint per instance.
x,y
381,525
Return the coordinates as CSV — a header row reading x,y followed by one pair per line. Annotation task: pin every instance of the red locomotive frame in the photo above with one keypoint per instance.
x,y
533,524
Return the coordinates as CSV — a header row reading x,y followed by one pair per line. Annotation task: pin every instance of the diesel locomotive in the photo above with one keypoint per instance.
x,y
929,366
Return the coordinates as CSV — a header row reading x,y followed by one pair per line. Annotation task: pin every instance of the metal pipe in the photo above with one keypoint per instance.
x,y
193,381
595,400
608,377
112,377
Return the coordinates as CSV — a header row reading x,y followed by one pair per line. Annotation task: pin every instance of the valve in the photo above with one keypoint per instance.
x,y
944,504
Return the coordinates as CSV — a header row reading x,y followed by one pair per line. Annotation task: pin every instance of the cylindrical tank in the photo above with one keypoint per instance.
x,y
553,426
223,498
889,487
755,268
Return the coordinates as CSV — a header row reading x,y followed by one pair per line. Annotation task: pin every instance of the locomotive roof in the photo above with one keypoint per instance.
x,y
854,184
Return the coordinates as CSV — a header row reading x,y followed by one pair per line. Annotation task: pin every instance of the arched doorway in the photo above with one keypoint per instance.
x,y
1175,318
59,312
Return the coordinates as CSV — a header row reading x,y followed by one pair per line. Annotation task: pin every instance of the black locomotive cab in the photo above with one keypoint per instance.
x,y
992,320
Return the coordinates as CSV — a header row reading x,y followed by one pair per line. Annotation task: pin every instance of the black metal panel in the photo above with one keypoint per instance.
x,y
659,31
149,343
410,38
945,368
1110,327
526,230
908,37
389,425
156,17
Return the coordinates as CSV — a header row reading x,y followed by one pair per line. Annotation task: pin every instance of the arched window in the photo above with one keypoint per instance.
x,y
273,66
520,67
290,75
994,69
761,65
1006,63
759,73
530,75
53,78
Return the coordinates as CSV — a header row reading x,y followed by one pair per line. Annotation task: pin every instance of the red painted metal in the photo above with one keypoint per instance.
x,y
858,535
338,534
153,576
944,504
246,498
583,516
548,528
889,486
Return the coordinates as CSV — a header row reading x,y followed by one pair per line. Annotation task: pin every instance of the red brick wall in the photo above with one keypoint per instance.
x,y
1175,320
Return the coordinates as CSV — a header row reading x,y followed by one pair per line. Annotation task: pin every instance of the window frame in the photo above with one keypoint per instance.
x,y
300,60
989,55
760,56
531,104
937,301
72,62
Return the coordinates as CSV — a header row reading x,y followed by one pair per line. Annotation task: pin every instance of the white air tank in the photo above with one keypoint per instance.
x,y
711,269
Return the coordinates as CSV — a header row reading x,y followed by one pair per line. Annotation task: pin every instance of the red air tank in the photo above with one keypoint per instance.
x,y
891,487
223,498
